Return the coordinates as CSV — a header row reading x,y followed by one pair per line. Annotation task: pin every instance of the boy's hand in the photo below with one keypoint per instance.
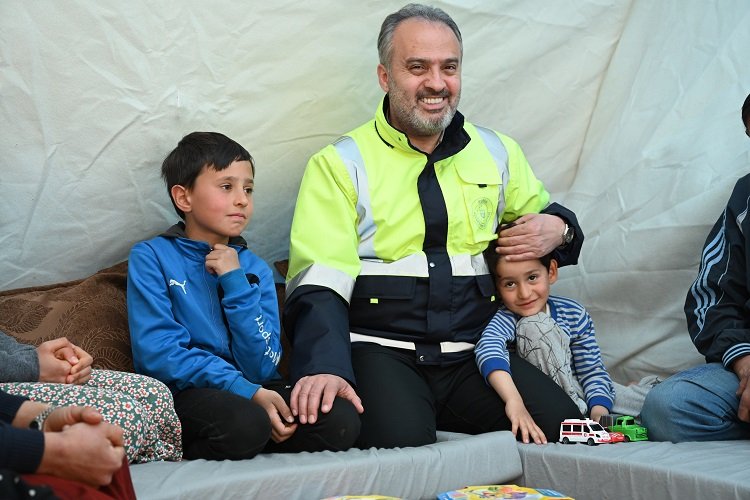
x,y
282,421
516,411
597,412
222,259
521,420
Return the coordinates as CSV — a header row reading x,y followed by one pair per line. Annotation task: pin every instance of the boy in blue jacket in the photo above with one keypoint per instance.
x,y
204,318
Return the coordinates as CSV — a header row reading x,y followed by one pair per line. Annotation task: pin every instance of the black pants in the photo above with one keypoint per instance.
x,y
406,403
219,425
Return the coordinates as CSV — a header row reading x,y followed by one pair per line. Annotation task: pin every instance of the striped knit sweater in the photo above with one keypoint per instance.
x,y
586,363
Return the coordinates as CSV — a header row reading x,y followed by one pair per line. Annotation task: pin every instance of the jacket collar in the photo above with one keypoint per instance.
x,y
454,140
178,231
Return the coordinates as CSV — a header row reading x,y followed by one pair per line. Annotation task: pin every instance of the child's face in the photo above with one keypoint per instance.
x,y
220,203
524,286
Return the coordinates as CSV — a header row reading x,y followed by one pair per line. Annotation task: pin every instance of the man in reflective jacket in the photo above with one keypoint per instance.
x,y
387,289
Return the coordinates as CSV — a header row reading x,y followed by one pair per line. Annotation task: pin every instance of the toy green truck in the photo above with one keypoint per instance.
x,y
632,431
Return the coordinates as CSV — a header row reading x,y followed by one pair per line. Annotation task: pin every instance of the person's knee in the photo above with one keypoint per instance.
x,y
342,425
236,435
395,432
657,409
678,410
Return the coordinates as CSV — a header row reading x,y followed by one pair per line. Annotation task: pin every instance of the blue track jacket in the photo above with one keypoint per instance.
x,y
190,328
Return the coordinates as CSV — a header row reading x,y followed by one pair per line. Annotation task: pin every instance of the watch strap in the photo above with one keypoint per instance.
x,y
567,235
38,422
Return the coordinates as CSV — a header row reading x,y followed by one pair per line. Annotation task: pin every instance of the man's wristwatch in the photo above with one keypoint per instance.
x,y
567,236
38,422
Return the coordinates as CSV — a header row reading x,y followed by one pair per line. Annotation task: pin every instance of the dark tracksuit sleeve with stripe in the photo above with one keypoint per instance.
x,y
717,306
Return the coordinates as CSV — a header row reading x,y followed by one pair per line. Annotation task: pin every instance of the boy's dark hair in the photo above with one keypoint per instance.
x,y
195,151
746,111
491,256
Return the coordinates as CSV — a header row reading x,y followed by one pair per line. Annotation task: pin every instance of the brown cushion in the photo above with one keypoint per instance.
x,y
90,312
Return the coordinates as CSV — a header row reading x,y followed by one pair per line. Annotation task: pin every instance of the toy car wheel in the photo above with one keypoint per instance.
x,y
627,439
566,440
590,442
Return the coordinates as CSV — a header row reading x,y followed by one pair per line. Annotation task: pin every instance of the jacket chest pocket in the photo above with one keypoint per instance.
x,y
481,194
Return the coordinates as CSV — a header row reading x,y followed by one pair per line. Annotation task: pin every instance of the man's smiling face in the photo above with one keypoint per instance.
x,y
423,77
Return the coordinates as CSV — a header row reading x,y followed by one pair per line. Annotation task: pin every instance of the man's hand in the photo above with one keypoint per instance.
x,y
531,236
83,452
282,420
56,359
318,392
741,367
64,416
222,259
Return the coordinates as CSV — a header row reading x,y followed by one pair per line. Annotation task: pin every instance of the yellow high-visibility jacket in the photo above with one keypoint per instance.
x,y
386,243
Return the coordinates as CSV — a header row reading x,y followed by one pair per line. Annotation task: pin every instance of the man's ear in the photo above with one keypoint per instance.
x,y
383,78
181,197
552,271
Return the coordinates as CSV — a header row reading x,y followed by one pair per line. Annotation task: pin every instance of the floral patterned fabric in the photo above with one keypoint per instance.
x,y
141,405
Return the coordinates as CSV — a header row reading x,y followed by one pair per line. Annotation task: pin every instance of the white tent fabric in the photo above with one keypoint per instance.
x,y
628,110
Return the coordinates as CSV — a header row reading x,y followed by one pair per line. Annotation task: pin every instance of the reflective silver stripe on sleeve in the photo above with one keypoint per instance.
x,y
400,344
497,149
320,275
355,165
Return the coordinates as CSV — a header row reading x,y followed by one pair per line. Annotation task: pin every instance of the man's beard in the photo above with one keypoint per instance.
x,y
409,117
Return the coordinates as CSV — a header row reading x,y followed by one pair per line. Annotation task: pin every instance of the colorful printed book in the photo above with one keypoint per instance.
x,y
362,497
497,491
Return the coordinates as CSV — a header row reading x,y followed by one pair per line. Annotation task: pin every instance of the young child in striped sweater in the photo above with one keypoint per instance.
x,y
553,333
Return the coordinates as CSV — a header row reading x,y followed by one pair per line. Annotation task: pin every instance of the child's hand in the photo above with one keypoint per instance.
x,y
521,420
222,259
597,412
282,421
519,417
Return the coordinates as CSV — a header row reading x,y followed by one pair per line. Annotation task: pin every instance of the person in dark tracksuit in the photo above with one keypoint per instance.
x,y
711,402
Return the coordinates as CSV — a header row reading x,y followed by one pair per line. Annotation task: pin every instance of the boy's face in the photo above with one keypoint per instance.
x,y
524,286
220,203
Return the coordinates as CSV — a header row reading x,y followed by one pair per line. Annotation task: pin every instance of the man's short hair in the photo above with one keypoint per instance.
x,y
746,111
195,151
412,10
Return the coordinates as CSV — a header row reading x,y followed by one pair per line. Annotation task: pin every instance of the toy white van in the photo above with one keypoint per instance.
x,y
577,430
